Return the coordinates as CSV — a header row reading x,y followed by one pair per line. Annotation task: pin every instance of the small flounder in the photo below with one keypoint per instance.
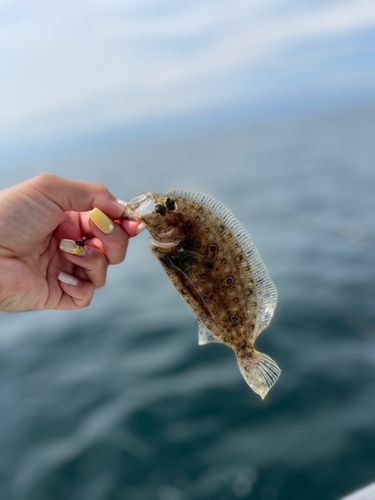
x,y
217,270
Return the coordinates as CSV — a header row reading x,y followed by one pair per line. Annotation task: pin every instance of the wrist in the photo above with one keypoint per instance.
x,y
14,286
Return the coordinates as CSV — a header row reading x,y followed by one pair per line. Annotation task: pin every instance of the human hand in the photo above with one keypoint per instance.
x,y
34,217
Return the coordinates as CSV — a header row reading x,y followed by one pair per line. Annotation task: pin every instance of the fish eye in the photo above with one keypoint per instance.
x,y
160,209
171,204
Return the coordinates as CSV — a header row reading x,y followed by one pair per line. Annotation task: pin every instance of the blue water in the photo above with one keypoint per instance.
x,y
118,401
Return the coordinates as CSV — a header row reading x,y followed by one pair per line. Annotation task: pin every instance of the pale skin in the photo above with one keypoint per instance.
x,y
34,217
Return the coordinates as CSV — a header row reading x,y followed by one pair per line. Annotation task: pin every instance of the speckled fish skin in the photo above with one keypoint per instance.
x,y
217,270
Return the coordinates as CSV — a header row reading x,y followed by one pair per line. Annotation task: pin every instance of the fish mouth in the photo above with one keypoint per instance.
x,y
139,207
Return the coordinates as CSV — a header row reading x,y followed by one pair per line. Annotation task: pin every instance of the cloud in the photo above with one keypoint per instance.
x,y
75,67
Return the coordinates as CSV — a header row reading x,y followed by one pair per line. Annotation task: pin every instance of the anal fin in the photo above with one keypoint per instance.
x,y
205,335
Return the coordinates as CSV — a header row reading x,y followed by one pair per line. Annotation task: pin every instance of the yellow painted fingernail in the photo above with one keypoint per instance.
x,y
102,221
70,246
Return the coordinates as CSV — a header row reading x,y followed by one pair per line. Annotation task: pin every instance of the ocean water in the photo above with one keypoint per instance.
x,y
118,401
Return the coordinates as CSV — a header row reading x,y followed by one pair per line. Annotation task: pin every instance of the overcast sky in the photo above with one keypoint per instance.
x,y
78,67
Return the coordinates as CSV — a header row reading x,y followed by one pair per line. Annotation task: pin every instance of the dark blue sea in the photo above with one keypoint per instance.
x,y
118,401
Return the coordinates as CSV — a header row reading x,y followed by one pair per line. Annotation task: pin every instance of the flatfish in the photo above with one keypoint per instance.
x,y
215,267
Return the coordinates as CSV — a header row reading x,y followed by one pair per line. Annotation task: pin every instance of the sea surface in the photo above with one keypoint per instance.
x,y
118,401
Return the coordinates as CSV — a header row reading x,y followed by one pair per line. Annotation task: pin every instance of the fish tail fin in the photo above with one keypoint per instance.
x,y
259,371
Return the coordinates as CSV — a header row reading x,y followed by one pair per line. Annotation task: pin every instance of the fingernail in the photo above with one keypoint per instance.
x,y
123,204
66,278
141,227
70,246
102,221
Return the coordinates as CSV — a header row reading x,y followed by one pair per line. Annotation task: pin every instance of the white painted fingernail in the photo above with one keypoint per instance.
x,y
123,204
141,227
68,279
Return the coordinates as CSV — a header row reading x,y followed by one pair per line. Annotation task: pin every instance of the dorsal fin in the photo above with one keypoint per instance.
x,y
265,288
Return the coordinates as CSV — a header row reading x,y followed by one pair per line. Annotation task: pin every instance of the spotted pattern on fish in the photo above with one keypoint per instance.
x,y
217,270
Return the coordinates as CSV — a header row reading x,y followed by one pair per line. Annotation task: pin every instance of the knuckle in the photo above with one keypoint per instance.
x,y
101,282
117,259
97,268
86,303
45,179
114,257
119,252
87,300
97,260
102,264
82,303
100,277
46,183
102,190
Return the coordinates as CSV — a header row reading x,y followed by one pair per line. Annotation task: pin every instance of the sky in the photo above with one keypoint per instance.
x,y
73,69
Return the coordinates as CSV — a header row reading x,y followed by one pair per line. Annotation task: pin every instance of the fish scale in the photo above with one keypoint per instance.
x,y
215,267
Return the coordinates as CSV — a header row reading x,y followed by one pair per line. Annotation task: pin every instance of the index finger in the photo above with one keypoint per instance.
x,y
131,227
77,196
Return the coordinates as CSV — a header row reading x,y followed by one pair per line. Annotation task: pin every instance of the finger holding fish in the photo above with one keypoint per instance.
x,y
105,234
105,242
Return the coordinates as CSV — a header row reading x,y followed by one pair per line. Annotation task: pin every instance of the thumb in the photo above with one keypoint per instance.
x,y
78,196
